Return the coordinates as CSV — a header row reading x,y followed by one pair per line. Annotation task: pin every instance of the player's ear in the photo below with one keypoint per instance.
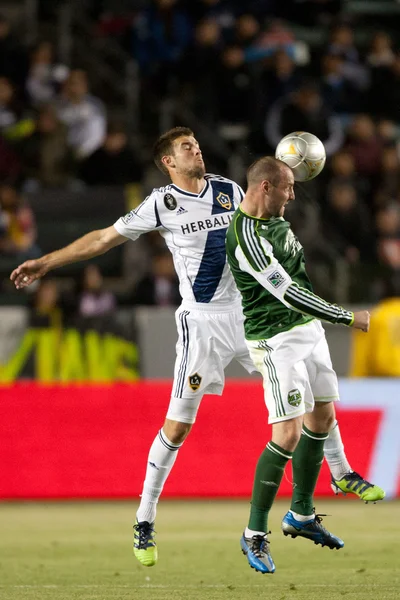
x,y
266,186
168,161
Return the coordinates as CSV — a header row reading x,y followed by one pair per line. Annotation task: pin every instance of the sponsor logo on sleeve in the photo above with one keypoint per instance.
x,y
276,279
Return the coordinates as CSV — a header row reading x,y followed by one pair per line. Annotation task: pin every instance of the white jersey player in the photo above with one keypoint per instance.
x,y
194,228
192,214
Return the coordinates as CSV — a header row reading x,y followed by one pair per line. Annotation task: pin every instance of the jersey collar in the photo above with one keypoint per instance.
x,y
181,191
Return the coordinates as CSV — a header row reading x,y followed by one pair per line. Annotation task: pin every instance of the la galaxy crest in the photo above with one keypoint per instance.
x,y
195,381
224,200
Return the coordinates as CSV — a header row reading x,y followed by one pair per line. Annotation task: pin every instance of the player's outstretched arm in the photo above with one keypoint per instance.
x,y
90,245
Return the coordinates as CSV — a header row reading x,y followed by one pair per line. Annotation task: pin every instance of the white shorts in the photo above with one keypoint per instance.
x,y
208,340
296,369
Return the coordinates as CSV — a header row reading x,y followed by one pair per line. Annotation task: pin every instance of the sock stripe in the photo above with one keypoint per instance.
x,y
314,436
167,444
278,450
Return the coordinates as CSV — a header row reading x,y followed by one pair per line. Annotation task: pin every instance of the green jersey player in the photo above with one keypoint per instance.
x,y
287,345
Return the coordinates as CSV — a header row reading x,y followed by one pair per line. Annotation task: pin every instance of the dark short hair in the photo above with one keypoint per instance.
x,y
164,145
267,167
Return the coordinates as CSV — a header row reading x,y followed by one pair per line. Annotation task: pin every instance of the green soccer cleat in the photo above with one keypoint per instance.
x,y
353,483
144,545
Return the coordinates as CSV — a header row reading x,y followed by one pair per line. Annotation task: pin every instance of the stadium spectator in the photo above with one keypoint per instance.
x,y
161,34
47,158
44,76
46,306
15,122
388,237
199,85
339,90
19,230
304,110
346,223
389,177
10,166
380,52
114,163
246,31
13,60
160,287
365,146
384,95
83,114
94,300
234,81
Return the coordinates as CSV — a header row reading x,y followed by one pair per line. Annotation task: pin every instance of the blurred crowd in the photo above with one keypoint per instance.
x,y
245,73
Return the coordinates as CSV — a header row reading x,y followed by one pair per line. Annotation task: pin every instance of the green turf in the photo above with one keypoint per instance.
x,y
83,551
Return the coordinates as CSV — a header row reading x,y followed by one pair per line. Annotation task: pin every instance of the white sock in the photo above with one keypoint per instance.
x,y
161,459
250,532
302,518
335,455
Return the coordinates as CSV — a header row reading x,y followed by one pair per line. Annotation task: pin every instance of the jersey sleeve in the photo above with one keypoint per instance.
x,y
238,194
255,257
140,220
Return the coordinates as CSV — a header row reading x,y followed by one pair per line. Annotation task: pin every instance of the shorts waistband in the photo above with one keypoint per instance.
x,y
212,307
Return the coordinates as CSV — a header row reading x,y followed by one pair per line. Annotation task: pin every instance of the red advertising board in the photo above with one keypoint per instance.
x,y
86,441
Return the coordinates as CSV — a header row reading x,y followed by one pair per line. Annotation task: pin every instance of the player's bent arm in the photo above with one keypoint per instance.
x,y
278,282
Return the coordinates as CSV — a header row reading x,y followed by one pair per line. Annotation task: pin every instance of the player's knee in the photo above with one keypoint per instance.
x,y
176,431
322,419
287,434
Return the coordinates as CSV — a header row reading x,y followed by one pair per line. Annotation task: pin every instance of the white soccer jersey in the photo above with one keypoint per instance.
x,y
194,228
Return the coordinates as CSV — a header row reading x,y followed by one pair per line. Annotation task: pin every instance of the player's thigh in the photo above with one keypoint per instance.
x,y
323,378
241,351
198,367
287,389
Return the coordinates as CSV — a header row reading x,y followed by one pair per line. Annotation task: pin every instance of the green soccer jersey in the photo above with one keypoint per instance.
x,y
267,263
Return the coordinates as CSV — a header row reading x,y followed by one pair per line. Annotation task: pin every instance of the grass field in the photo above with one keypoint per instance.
x,y
83,551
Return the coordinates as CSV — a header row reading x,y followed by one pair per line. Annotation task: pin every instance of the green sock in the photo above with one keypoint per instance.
x,y
268,476
306,464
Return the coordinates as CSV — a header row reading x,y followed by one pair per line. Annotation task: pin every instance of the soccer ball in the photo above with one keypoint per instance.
x,y
304,153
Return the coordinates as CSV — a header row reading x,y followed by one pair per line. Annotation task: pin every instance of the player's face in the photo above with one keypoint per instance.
x,y
281,194
187,159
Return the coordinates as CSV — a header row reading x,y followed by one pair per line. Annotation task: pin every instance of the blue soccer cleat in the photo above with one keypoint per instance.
x,y
256,549
312,530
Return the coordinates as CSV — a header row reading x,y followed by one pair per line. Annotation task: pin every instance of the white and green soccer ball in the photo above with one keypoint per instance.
x,y
304,153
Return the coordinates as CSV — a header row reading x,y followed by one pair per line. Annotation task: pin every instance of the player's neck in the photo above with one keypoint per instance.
x,y
253,208
189,184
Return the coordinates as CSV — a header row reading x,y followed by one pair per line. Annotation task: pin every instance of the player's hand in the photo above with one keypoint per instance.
x,y
27,273
361,320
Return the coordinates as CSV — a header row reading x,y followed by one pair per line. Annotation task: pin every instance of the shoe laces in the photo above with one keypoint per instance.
x,y
259,545
318,522
358,481
144,531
